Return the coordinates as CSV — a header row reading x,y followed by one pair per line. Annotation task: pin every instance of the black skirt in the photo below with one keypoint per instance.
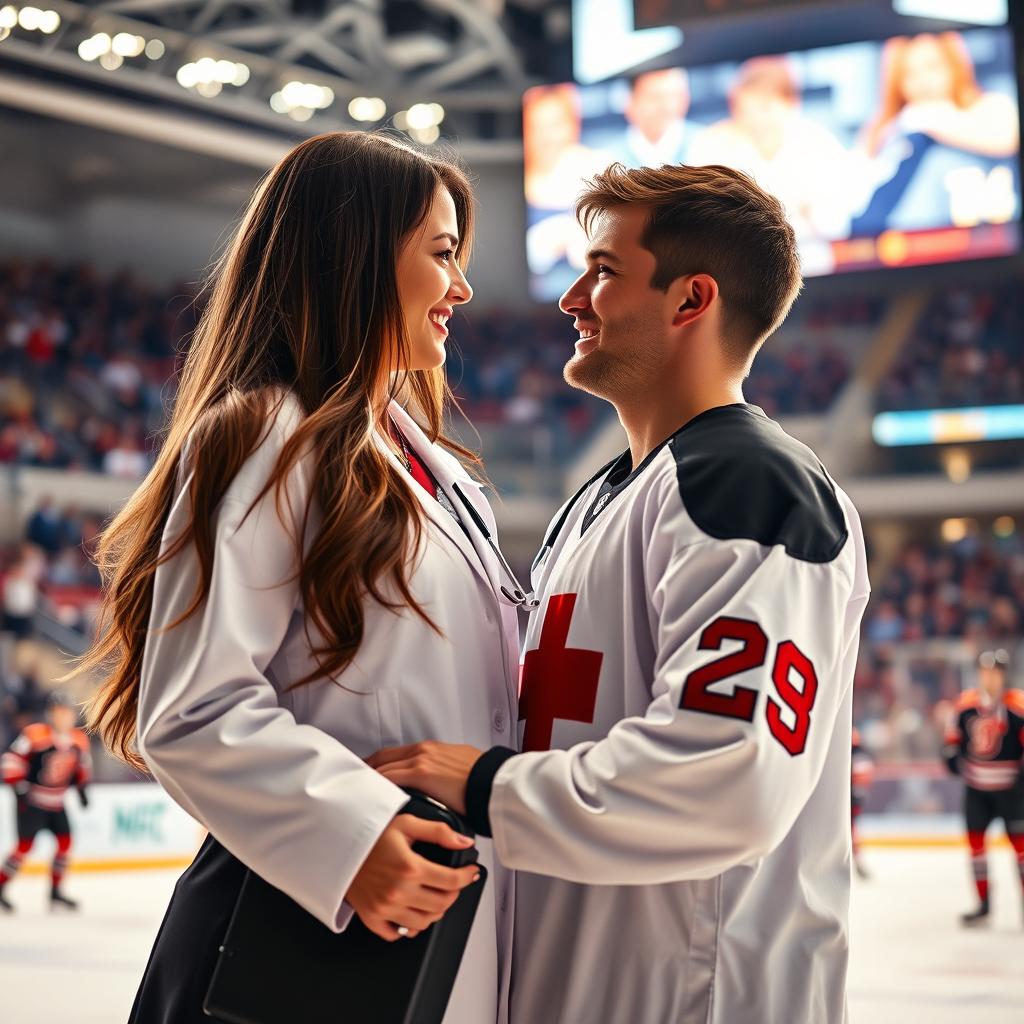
x,y
185,951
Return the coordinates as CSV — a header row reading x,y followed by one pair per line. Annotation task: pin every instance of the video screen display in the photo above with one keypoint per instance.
x,y
892,153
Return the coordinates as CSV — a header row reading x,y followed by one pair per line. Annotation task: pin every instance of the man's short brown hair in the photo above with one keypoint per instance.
x,y
710,220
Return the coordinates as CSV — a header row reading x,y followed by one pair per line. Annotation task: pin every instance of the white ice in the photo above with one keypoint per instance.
x,y
911,961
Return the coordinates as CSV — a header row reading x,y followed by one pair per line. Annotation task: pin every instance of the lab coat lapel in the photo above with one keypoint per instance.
x,y
447,471
476,552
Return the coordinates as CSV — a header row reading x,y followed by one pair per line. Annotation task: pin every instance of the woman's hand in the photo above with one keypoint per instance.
x,y
438,769
396,886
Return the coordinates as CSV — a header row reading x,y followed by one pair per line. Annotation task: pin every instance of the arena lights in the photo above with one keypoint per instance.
x,y
955,530
300,100
367,108
208,76
949,426
111,52
957,464
974,12
31,19
1004,526
124,44
422,121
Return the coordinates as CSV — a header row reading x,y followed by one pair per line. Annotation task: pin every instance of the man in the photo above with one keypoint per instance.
x,y
680,813
793,156
41,764
658,131
985,745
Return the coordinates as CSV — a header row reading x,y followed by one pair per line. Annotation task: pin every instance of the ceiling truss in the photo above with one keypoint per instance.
x,y
466,55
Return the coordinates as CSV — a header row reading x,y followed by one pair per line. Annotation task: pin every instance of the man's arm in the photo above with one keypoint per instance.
x,y
745,703
745,699
952,746
14,764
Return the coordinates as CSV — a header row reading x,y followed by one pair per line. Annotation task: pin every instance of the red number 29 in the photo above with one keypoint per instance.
x,y
742,702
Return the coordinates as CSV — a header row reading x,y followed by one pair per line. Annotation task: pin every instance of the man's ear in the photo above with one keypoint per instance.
x,y
692,296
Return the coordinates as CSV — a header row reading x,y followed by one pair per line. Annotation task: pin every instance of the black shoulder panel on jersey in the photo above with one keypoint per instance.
x,y
741,475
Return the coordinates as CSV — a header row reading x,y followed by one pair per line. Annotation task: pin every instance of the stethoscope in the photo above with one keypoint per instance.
x,y
518,596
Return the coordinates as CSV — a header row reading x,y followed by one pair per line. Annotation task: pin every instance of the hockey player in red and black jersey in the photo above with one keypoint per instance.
x,y
862,771
985,746
41,764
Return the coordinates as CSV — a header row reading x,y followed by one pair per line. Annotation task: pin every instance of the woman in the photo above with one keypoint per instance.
x,y
296,584
942,149
929,86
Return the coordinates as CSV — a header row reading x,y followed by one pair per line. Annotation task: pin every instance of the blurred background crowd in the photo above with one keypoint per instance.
x,y
87,365
133,135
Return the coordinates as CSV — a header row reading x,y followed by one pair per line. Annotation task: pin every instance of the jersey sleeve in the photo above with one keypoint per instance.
x,y
754,648
1014,700
83,776
953,740
285,797
14,764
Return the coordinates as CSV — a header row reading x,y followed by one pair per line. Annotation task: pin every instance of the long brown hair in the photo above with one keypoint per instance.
x,y
966,90
305,298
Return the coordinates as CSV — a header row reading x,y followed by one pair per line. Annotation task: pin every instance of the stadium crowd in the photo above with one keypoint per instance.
x,y
969,591
968,350
51,570
87,367
84,360
972,588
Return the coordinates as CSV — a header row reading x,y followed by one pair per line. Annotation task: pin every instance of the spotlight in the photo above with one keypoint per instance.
x,y
300,99
367,108
426,135
208,76
29,18
125,44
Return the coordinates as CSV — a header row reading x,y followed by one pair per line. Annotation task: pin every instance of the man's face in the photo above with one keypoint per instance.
x,y
63,718
623,321
761,112
659,100
991,681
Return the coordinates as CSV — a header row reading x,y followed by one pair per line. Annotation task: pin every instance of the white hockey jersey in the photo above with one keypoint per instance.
x,y
680,815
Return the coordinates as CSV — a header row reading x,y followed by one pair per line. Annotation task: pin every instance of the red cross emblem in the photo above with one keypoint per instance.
x,y
557,681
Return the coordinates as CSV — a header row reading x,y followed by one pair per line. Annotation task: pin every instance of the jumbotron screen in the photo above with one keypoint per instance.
x,y
891,153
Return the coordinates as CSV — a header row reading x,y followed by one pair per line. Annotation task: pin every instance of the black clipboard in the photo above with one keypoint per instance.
x,y
278,964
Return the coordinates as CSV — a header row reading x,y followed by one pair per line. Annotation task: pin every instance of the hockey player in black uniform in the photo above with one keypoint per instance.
x,y
985,746
44,760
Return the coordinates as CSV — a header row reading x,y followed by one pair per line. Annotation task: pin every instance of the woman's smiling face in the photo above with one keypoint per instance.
x,y
431,283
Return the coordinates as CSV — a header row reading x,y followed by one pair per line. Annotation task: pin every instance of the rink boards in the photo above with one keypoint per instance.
x,y
137,825
133,825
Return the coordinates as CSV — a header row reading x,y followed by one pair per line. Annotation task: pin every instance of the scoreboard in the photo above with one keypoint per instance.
x,y
655,13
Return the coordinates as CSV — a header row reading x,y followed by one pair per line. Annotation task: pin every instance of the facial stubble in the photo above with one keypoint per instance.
x,y
625,363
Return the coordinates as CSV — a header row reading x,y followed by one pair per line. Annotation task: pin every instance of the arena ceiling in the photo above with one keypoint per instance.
x,y
471,58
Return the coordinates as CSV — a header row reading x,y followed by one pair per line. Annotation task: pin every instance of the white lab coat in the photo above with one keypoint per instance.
x,y
278,778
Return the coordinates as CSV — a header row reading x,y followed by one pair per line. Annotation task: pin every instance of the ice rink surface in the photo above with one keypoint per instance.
x,y
911,961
